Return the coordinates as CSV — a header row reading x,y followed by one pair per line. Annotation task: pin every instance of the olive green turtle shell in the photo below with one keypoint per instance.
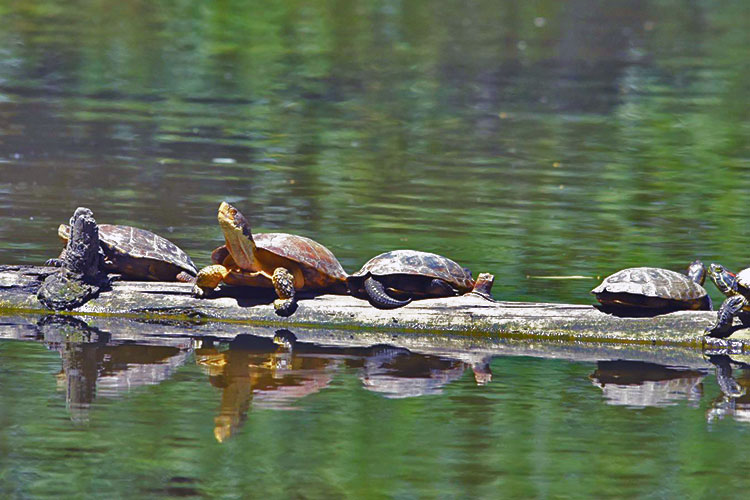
x,y
416,263
318,264
651,282
140,253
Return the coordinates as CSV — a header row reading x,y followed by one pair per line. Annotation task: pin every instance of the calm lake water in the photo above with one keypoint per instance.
x,y
532,140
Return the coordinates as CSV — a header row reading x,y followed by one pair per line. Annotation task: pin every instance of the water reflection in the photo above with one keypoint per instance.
x,y
639,384
734,400
273,373
93,367
257,372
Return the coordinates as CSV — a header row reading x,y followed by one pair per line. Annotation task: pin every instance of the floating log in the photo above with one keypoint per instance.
x,y
469,314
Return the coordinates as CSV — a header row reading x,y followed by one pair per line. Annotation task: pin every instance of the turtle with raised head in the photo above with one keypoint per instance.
x,y
737,289
656,289
137,254
285,262
393,279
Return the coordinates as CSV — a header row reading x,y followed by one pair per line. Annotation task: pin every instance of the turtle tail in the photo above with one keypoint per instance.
x,y
378,296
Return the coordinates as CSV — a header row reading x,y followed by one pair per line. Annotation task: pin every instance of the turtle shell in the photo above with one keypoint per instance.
x,y
138,253
416,263
319,266
132,250
633,286
743,278
315,259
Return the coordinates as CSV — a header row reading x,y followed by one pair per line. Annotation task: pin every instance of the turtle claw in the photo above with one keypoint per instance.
x,y
56,262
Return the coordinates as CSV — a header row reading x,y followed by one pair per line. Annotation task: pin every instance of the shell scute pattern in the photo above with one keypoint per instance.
x,y
141,244
743,277
312,255
412,262
652,282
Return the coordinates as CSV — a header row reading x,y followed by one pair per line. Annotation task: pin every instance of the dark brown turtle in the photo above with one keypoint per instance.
x,y
393,279
285,262
137,254
655,289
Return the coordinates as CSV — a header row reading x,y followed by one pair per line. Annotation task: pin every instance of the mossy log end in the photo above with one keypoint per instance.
x,y
468,314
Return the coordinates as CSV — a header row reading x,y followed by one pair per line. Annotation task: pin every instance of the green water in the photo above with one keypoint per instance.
x,y
527,139
246,420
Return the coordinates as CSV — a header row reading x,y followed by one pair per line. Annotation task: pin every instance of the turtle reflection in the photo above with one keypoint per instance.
x,y
273,373
734,400
257,370
640,384
398,373
93,366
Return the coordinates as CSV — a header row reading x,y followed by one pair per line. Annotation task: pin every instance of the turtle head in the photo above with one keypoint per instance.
x,y
238,236
697,271
63,232
724,280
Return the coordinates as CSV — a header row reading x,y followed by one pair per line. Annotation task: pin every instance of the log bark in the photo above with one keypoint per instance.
x,y
469,315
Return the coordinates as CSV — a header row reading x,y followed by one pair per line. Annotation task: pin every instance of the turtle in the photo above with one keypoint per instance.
x,y
393,279
737,289
656,289
284,262
137,254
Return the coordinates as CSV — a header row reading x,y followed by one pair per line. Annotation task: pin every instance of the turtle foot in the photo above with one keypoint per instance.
x,y
285,307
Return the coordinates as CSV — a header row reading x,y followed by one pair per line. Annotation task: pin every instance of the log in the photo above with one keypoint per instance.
x,y
470,314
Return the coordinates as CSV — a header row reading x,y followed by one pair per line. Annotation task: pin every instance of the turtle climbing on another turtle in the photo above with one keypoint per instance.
x,y
80,276
137,254
655,289
737,289
285,262
393,279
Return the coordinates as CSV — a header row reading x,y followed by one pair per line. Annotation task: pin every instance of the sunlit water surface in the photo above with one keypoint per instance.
x,y
538,141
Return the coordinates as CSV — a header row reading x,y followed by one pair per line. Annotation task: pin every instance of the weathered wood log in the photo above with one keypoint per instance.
x,y
469,314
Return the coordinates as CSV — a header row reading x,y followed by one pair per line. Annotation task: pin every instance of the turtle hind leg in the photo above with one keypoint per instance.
x,y
283,283
729,309
378,296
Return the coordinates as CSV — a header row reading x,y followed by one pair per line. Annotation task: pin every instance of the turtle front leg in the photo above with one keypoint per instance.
x,y
283,283
440,288
729,309
208,279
